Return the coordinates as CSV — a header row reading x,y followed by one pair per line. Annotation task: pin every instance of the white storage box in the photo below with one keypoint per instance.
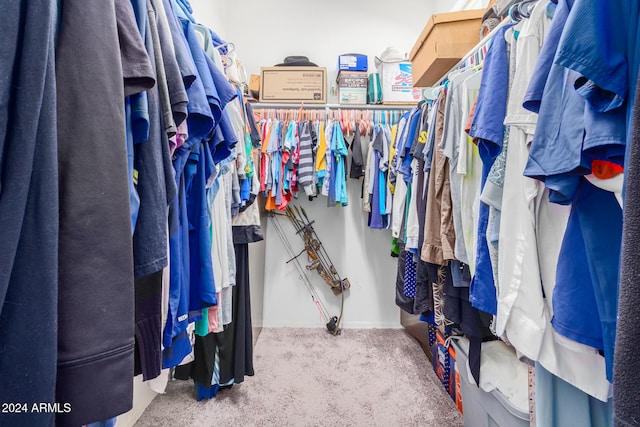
x,y
397,83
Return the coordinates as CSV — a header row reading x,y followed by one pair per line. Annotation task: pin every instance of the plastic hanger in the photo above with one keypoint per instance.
x,y
230,45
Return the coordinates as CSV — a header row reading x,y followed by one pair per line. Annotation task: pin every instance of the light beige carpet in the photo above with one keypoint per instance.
x,y
306,377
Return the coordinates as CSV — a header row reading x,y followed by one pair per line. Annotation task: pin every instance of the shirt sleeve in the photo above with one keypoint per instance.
x,y
594,43
491,105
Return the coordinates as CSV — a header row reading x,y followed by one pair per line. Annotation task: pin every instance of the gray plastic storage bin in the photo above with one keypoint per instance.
x,y
482,409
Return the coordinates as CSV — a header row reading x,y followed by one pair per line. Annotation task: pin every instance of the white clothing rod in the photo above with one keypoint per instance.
x,y
275,106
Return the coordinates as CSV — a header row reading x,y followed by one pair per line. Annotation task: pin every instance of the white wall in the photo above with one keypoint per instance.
x,y
265,32
359,253
213,14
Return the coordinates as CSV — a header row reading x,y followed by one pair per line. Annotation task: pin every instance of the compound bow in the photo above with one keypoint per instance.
x,y
318,260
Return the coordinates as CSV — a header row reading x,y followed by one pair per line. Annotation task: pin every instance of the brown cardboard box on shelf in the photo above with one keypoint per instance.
x,y
293,84
445,40
254,86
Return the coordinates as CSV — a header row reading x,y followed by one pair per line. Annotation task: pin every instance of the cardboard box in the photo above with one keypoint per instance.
x,y
254,85
353,62
446,39
352,87
352,79
293,84
397,83
352,96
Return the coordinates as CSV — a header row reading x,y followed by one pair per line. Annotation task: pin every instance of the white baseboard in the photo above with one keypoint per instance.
x,y
142,397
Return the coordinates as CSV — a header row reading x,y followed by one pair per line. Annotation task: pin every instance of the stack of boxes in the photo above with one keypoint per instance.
x,y
352,79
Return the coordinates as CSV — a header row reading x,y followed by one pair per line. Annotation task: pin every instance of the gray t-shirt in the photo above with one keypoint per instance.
x,y
450,144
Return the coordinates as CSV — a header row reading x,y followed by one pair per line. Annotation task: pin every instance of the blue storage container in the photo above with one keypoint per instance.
x,y
353,62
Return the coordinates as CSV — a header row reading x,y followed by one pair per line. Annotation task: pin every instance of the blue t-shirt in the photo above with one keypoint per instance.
x,y
202,284
175,337
601,43
183,56
339,149
405,156
574,302
202,63
139,114
540,75
595,43
488,127
599,222
571,133
555,155
491,106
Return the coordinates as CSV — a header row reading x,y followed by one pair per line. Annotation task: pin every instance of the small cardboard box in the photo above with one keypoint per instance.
x,y
352,96
353,62
352,87
445,40
352,79
293,84
397,83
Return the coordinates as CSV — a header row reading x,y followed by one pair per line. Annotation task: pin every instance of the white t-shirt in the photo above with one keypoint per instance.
x,y
470,170
413,222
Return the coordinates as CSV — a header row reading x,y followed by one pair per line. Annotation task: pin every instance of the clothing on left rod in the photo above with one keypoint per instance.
x,y
28,208
95,362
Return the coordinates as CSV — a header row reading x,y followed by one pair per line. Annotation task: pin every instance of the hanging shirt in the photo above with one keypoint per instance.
x,y
398,142
377,181
412,224
607,71
432,131
175,84
328,131
202,284
357,159
392,156
449,108
367,182
488,127
339,149
405,151
528,263
376,219
439,234
599,223
321,153
183,57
